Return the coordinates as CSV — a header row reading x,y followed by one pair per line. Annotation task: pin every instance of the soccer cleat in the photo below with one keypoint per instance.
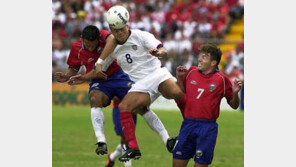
x,y
171,143
130,154
128,163
102,148
109,162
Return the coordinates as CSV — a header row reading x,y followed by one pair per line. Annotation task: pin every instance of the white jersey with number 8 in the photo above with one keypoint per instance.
x,y
134,57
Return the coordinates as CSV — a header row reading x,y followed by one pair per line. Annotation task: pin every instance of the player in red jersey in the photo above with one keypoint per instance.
x,y
204,87
85,52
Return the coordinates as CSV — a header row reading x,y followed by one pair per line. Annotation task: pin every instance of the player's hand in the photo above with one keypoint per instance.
x,y
180,72
77,79
61,77
237,85
99,73
153,51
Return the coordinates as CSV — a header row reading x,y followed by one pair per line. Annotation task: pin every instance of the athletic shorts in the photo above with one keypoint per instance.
x,y
118,84
150,83
116,121
197,139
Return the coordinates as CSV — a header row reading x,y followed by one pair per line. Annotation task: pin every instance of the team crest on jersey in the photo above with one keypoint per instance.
x,y
95,85
134,47
129,84
90,59
198,153
193,82
212,87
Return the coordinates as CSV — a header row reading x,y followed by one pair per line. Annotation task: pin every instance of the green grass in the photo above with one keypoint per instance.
x,y
73,139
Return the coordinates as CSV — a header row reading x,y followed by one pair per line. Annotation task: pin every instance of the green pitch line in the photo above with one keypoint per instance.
x,y
73,139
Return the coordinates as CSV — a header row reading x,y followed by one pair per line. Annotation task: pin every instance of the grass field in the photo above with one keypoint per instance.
x,y
73,139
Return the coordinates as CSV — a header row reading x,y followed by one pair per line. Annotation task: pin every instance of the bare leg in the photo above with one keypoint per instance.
x,y
170,90
180,163
200,165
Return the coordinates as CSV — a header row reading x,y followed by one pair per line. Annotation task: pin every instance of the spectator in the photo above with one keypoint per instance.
x,y
181,26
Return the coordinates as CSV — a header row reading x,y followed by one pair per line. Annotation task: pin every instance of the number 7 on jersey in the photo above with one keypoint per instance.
x,y
200,90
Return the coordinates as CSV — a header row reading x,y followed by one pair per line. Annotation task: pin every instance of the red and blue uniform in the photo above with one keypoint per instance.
x,y
200,108
116,118
117,83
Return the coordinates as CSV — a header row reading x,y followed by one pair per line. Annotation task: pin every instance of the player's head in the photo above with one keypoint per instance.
x,y
209,57
117,18
90,37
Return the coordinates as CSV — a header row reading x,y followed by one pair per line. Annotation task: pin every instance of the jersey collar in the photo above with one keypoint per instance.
x,y
216,70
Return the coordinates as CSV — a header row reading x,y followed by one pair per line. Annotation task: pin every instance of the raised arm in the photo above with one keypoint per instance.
x,y
180,73
237,85
111,44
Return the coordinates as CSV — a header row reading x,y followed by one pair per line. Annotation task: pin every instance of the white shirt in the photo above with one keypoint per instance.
x,y
134,57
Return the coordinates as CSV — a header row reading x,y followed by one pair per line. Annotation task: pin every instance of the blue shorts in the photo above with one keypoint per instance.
x,y
117,85
197,139
116,121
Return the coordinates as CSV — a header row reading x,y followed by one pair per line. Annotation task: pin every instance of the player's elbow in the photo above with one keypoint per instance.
x,y
235,107
234,104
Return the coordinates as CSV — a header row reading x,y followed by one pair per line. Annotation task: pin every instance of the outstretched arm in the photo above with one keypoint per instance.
x,y
180,73
237,85
111,44
63,77
79,79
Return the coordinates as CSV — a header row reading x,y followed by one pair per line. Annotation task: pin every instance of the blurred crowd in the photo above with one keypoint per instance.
x,y
182,26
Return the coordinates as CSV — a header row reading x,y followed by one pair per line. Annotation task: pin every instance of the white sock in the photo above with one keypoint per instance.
x,y
129,162
116,153
155,124
98,121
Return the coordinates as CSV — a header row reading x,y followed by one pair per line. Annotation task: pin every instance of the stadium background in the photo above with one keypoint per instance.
x,y
182,26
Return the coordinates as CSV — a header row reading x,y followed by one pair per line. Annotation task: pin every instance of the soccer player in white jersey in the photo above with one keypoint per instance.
x,y
137,53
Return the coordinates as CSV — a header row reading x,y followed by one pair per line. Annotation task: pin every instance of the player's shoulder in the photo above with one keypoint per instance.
x,y
104,34
192,68
224,76
77,45
104,31
139,33
221,74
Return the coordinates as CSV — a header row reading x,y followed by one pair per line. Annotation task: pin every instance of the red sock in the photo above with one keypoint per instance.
x,y
128,128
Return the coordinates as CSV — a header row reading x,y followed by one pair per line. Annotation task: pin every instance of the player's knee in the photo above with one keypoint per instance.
x,y
140,111
123,107
175,93
95,100
178,95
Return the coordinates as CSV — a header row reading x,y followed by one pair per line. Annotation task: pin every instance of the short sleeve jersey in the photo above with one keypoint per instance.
x,y
203,94
134,57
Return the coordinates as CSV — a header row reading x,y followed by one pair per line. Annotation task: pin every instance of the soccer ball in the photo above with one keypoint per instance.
x,y
117,17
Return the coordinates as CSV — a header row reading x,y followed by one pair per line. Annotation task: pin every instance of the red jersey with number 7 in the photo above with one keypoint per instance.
x,y
203,94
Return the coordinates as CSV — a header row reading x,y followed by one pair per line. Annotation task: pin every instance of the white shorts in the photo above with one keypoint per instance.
x,y
150,83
